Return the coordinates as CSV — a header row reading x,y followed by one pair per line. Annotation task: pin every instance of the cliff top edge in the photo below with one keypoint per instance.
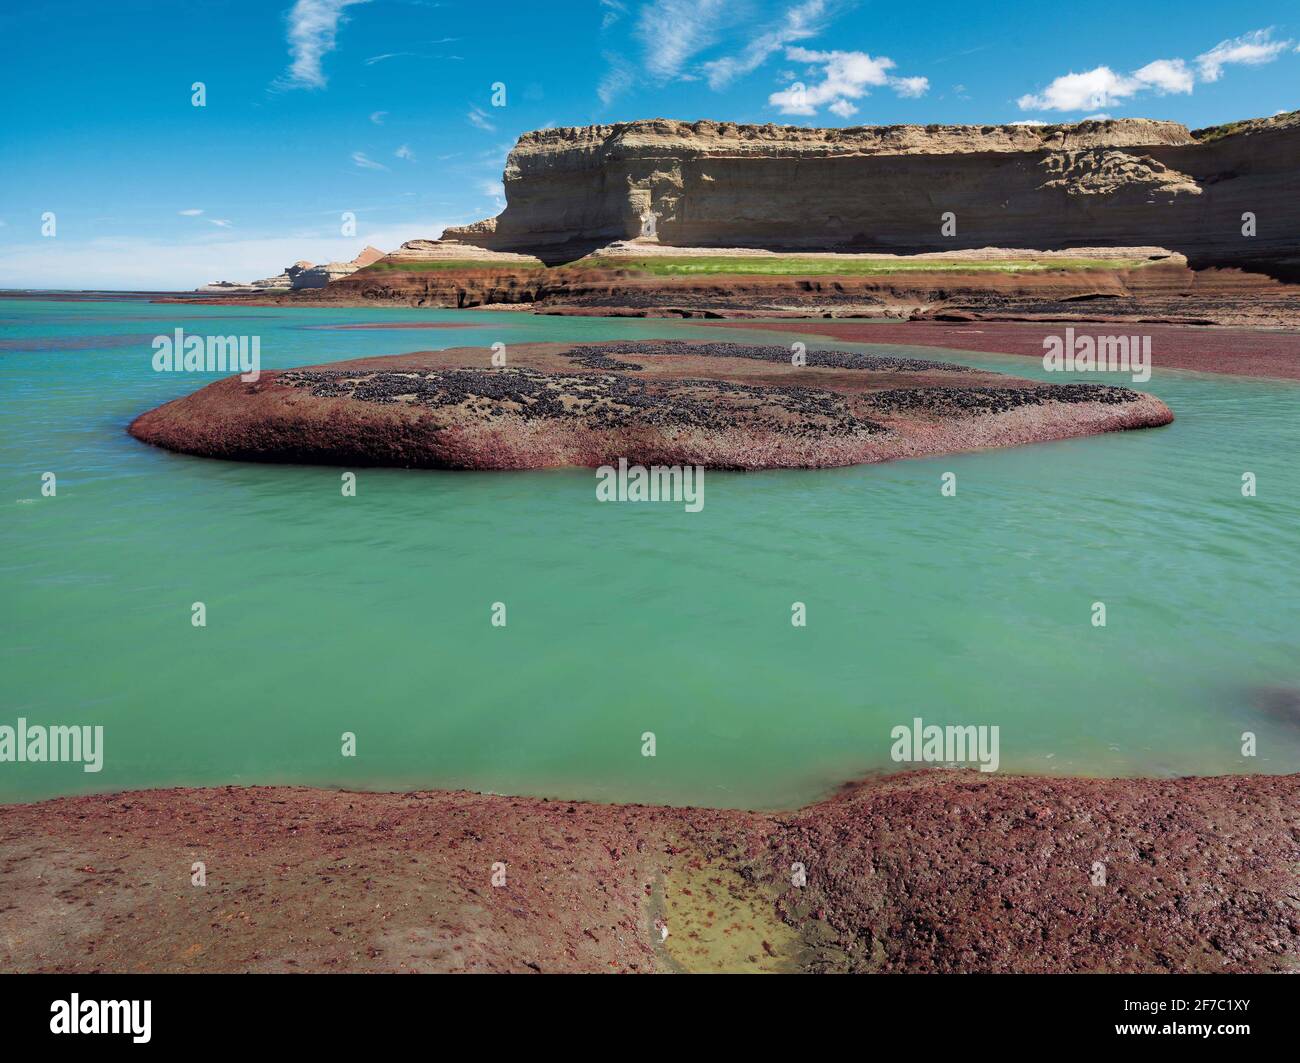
x,y
704,134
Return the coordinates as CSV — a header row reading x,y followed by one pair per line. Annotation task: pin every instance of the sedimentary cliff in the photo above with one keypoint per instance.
x,y
302,274
320,275
1092,184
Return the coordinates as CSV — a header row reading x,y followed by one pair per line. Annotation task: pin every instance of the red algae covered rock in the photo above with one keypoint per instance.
x,y
958,871
933,871
717,405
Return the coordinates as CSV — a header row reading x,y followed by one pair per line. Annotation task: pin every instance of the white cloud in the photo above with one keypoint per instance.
x,y
1030,121
1251,48
1103,87
846,76
1165,76
378,117
910,88
220,222
404,152
478,117
799,23
313,26
1098,87
365,162
193,212
672,31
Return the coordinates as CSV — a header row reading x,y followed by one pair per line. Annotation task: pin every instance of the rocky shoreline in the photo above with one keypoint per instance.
x,y
653,403
925,871
1160,292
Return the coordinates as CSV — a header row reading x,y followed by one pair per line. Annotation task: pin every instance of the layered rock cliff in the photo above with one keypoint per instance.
x,y
321,275
302,274
1092,184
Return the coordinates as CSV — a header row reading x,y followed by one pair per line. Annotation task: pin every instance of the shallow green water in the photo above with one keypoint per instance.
x,y
371,614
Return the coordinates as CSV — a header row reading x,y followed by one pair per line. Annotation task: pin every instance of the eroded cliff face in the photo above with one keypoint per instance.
x,y
1113,183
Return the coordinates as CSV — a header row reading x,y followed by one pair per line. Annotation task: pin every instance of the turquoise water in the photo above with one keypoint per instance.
x,y
371,614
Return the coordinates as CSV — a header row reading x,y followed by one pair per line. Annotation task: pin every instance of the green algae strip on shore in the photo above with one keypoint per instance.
x,y
427,265
781,266
776,266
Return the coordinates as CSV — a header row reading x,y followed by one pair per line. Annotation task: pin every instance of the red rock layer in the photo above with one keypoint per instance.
x,y
925,871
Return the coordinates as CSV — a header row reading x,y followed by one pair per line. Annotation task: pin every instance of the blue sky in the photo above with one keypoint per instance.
x,y
384,107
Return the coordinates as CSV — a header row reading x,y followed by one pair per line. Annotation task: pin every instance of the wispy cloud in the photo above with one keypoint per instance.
x,y
1251,49
613,11
223,223
404,152
378,117
844,77
313,26
478,117
360,158
495,158
672,34
1104,87
616,80
799,23
671,31
193,212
